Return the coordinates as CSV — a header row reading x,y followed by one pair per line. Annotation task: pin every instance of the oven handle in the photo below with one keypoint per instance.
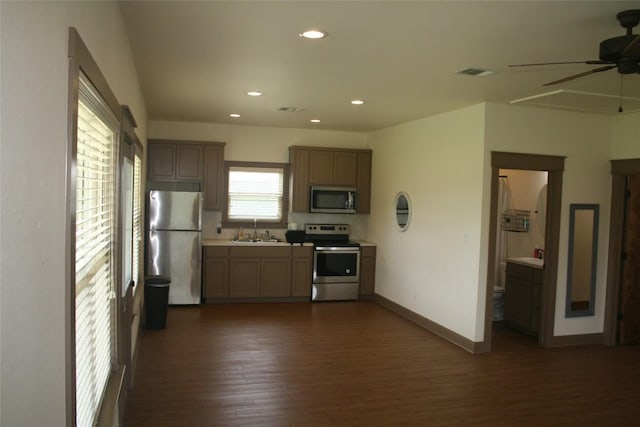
x,y
338,248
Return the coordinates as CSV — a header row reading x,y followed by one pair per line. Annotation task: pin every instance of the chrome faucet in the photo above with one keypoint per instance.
x,y
255,229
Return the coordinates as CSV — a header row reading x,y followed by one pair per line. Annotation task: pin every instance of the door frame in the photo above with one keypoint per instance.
x,y
620,169
554,166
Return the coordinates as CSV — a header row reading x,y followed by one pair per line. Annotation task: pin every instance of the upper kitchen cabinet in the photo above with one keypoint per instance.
x,y
329,166
162,161
364,181
170,161
213,184
189,161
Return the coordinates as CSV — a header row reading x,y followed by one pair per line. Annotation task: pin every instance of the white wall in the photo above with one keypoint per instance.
x,y
626,137
432,268
438,267
34,37
585,140
255,143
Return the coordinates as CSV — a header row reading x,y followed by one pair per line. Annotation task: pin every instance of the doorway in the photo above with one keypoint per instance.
x,y
554,166
622,310
520,243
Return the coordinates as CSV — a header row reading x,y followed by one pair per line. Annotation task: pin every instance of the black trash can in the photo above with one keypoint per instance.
x,y
156,300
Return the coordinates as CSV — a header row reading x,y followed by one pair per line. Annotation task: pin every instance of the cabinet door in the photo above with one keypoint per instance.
x,y
517,303
244,277
216,278
321,167
299,160
188,162
345,168
276,281
367,270
162,162
213,183
364,182
301,271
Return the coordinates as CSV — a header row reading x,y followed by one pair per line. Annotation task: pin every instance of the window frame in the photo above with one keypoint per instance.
x,y
227,223
81,61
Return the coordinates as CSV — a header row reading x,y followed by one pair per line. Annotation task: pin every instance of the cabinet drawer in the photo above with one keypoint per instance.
x,y
257,252
302,251
216,252
367,251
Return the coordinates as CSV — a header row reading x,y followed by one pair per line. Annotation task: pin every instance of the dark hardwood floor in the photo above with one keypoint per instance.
x,y
357,364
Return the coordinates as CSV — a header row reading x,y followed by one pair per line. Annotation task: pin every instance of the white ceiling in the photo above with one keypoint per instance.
x,y
196,60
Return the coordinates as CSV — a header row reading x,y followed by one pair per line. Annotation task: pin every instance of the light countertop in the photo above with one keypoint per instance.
x,y
227,242
527,261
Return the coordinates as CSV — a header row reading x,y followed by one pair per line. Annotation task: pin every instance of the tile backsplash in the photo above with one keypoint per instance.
x,y
359,224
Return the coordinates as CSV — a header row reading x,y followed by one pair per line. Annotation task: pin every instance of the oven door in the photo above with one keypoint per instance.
x,y
336,265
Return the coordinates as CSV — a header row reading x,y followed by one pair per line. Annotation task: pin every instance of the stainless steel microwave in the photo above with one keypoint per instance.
x,y
333,199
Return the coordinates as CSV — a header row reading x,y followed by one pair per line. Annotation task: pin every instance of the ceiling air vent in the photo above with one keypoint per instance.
x,y
291,109
472,71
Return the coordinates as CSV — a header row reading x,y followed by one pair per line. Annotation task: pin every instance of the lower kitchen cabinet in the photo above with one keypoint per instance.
x,y
301,271
244,277
256,272
367,270
522,298
216,272
275,277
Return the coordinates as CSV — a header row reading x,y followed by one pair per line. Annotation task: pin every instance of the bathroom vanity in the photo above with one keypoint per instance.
x,y
522,294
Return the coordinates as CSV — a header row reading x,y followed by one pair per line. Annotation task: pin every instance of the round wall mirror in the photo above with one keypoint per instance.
x,y
402,206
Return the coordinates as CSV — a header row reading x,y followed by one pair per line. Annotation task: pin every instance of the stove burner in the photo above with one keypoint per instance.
x,y
329,235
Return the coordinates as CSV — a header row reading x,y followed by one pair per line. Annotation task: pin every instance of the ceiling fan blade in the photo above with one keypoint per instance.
x,y
558,63
577,76
633,48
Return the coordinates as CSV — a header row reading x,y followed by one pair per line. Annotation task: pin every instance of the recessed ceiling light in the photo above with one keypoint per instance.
x,y
234,115
357,102
254,93
315,120
313,34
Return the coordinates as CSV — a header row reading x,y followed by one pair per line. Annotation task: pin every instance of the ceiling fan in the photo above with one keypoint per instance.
x,y
621,52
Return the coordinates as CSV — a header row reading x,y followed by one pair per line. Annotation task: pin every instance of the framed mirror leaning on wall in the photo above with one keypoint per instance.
x,y
402,210
582,261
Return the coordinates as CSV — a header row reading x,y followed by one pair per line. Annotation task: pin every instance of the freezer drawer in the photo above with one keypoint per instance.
x,y
177,254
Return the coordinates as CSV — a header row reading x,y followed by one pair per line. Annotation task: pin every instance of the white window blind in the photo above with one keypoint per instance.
x,y
255,193
137,218
94,251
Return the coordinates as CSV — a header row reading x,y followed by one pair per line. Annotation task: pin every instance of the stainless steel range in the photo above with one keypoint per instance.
x,y
336,262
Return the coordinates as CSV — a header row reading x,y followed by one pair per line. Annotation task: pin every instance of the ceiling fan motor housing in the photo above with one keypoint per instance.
x,y
611,49
618,50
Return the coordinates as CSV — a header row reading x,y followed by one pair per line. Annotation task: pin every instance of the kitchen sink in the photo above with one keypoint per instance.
x,y
256,241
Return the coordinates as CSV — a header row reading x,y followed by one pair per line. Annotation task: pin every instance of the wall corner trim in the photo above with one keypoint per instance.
x,y
431,326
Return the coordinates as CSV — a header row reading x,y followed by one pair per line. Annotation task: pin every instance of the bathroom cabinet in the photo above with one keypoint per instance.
x,y
522,297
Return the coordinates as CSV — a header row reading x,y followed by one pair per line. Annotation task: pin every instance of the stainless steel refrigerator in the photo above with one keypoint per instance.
x,y
174,242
